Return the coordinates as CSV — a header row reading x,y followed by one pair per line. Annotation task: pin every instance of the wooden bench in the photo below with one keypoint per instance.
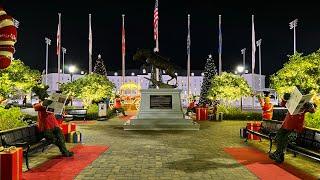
x,y
268,130
76,113
307,144
26,137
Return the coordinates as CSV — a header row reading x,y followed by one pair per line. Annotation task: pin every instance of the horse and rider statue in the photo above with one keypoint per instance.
x,y
156,61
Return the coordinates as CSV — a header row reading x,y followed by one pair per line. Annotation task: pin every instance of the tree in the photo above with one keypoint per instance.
x,y
301,71
228,87
99,67
91,87
209,72
17,78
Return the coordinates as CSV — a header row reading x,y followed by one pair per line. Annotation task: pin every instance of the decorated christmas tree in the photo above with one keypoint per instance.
x,y
99,67
209,72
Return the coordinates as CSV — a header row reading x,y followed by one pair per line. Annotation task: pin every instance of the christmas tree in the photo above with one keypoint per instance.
x,y
99,67
209,71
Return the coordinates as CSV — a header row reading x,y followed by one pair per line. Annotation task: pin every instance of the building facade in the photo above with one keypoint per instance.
x,y
195,83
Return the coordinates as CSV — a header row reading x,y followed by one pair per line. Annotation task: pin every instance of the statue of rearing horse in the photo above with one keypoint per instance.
x,y
154,59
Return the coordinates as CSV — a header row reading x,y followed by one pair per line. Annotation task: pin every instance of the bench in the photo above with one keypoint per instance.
x,y
307,144
268,130
76,113
26,137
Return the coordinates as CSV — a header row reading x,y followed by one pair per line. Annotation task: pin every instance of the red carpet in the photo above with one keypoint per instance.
x,y
264,168
66,168
83,122
125,118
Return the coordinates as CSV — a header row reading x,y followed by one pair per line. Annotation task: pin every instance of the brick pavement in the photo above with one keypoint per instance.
x,y
164,154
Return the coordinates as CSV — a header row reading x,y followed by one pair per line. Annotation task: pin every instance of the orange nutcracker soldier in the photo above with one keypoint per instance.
x,y
267,108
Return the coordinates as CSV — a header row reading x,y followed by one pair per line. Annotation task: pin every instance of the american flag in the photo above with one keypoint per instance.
x,y
155,21
58,40
123,40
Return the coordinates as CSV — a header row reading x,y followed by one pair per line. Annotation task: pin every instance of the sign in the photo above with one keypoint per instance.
x,y
296,101
102,110
160,102
58,103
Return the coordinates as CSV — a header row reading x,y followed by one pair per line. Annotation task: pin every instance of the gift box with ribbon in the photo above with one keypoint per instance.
x,y
67,128
75,137
201,113
11,163
254,126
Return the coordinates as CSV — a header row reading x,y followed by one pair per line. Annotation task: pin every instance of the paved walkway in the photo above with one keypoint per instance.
x,y
161,154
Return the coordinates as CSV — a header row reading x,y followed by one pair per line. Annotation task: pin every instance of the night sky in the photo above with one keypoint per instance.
x,y
39,20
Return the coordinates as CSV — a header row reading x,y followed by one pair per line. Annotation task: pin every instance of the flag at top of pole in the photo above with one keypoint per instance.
x,y
155,21
220,45
58,38
90,45
253,55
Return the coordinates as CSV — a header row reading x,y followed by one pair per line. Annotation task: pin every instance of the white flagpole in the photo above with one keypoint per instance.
x,y
59,50
157,40
259,45
90,45
123,52
188,51
253,54
220,46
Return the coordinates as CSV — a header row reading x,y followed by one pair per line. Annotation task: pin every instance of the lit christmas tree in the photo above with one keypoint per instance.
x,y
99,67
209,71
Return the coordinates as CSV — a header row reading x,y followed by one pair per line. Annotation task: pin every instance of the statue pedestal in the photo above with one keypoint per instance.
x,y
160,109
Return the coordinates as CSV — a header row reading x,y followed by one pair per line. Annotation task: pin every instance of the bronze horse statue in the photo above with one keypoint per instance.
x,y
153,58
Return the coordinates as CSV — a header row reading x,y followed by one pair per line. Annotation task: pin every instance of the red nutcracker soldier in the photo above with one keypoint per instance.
x,y
292,125
267,108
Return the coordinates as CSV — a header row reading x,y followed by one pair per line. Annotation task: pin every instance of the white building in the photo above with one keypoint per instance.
x,y
195,83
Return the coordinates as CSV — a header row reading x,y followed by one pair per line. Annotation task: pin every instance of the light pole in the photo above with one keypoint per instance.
x,y
243,52
72,69
48,42
64,51
240,70
293,24
259,45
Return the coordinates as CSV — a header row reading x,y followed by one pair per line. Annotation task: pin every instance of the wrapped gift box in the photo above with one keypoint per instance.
x,y
243,133
11,164
254,126
67,128
75,137
201,114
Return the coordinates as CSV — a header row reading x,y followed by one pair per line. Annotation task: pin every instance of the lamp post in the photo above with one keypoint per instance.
x,y
243,52
72,69
293,24
240,70
48,42
259,45
64,51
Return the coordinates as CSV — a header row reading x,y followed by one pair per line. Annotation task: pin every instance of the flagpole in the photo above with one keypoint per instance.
x,y
156,49
90,45
123,51
253,53
188,51
59,49
220,46
259,45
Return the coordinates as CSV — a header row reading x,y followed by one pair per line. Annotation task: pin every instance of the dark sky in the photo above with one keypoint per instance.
x,y
39,20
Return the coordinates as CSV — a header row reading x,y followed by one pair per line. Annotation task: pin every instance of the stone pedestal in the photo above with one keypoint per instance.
x,y
160,109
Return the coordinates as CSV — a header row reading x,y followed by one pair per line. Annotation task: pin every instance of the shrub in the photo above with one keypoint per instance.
x,y
92,112
11,118
313,120
234,113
